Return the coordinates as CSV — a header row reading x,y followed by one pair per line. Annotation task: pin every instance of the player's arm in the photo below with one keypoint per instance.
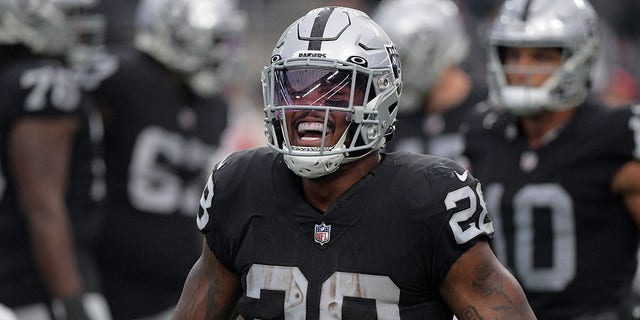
x,y
627,183
478,287
210,291
40,151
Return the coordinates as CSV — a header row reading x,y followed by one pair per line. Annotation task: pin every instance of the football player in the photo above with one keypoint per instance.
x,y
51,169
164,117
437,91
323,225
561,172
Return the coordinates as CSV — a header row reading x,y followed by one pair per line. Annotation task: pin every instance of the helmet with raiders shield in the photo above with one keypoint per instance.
x,y
430,37
197,38
48,27
328,50
569,25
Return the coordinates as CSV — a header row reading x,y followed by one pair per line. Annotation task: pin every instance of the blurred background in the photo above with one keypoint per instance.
x,y
617,81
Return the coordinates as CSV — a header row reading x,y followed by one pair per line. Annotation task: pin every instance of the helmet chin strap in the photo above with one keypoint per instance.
x,y
311,165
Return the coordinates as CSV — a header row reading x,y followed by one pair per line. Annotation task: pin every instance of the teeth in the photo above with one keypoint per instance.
x,y
303,127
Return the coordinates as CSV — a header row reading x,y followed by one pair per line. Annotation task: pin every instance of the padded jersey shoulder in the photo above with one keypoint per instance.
x,y
38,87
241,168
237,183
440,173
439,189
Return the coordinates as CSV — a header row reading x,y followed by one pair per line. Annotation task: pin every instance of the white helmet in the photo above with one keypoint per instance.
x,y
571,25
196,38
44,26
327,48
430,37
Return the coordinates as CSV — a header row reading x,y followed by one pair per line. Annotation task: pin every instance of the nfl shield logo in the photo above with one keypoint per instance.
x,y
322,234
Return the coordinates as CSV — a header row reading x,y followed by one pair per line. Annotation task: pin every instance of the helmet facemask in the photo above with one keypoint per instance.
x,y
321,113
565,85
331,90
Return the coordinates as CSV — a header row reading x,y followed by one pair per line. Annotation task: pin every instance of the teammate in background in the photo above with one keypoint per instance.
x,y
51,168
164,117
322,224
561,173
437,92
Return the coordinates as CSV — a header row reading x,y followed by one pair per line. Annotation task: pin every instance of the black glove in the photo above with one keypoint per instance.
x,y
70,308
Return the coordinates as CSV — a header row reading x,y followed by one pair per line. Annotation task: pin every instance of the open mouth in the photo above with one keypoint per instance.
x,y
309,133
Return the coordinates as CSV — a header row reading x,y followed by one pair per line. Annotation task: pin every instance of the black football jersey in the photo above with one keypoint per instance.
x,y
31,87
160,140
382,250
433,133
567,238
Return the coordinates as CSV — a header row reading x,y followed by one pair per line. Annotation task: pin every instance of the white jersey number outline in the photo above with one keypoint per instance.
x,y
58,82
551,196
473,227
154,186
292,282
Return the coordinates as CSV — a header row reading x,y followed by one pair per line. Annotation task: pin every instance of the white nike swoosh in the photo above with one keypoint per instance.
x,y
462,177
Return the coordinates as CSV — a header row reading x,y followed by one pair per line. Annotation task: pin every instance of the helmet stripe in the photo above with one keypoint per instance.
x,y
319,25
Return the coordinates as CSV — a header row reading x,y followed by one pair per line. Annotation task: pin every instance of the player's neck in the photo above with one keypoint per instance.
x,y
542,127
324,191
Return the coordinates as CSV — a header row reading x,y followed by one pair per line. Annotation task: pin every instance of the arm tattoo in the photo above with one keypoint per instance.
x,y
488,282
215,287
208,293
470,313
214,310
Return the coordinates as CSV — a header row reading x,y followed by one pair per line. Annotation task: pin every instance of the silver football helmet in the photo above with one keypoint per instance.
x,y
430,37
197,38
44,26
322,53
571,25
